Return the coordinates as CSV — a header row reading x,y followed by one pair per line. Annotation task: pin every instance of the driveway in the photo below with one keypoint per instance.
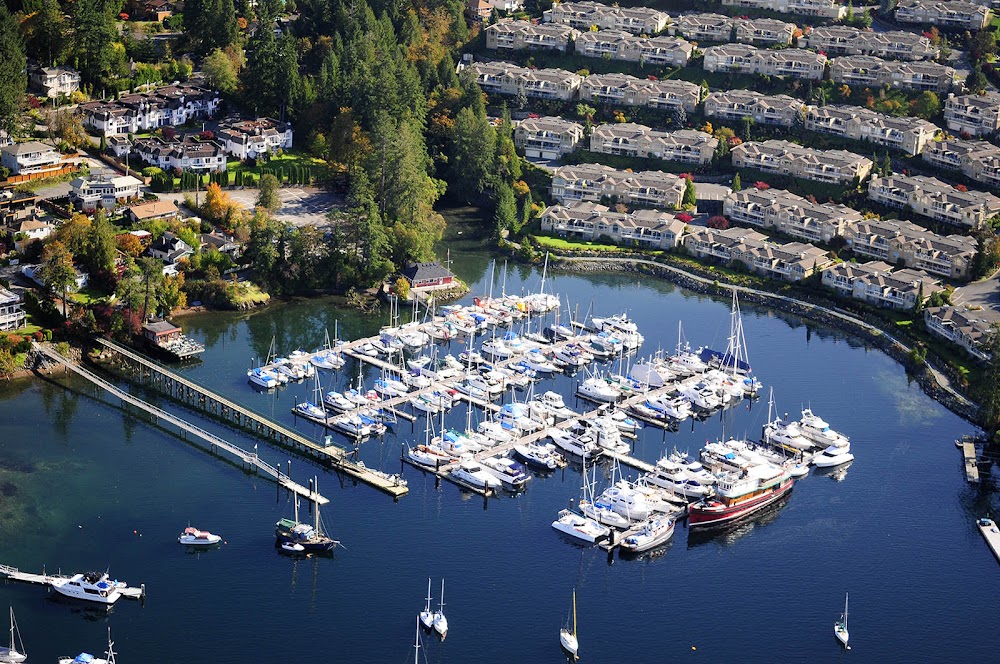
x,y
985,293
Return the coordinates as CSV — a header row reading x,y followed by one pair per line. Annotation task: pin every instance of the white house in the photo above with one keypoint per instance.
x,y
250,139
92,192
30,157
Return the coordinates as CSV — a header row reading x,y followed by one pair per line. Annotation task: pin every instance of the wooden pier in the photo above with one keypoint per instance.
x,y
971,467
250,459
149,373
12,573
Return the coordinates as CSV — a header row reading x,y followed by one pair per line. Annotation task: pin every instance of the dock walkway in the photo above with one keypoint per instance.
x,y
991,534
14,574
249,458
971,467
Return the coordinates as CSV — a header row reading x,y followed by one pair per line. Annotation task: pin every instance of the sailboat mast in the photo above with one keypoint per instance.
x,y
574,612
316,504
416,640
442,595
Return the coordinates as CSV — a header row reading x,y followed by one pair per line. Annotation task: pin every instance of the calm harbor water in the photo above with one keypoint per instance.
x,y
85,486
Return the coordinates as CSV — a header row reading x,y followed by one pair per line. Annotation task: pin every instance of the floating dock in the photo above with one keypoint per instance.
x,y
971,466
991,534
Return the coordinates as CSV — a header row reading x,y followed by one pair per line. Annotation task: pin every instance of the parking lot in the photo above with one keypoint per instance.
x,y
300,206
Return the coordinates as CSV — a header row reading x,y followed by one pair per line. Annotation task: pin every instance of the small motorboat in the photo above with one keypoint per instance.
x,y
195,537
581,527
292,547
835,455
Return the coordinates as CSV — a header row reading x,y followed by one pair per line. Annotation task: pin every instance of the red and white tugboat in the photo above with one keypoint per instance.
x,y
740,494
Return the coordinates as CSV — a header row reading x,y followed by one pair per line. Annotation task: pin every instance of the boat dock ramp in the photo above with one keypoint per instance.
x,y
44,579
971,465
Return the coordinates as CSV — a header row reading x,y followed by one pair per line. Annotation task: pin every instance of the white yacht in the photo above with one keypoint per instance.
x,y
623,328
428,456
834,455
495,431
816,429
328,359
577,444
472,473
606,433
338,402
195,537
473,391
537,361
91,587
676,408
671,475
518,416
554,404
570,356
264,378
580,527
627,501
702,395
651,534
513,475
497,349
598,389
541,455
784,431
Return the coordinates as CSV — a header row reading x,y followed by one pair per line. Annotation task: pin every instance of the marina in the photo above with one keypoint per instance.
x,y
856,391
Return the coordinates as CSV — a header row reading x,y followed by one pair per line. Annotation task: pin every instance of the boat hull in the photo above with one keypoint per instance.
x,y
707,514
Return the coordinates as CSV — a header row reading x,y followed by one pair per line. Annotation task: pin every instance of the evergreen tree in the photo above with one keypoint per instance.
x,y
886,164
57,270
987,388
101,250
690,198
505,211
737,183
471,160
267,196
47,31
95,36
260,74
12,71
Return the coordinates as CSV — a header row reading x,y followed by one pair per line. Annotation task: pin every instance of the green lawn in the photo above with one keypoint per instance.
x,y
88,295
286,159
569,245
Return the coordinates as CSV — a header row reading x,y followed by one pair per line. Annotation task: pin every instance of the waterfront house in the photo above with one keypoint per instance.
x,y
948,14
792,261
782,157
12,316
587,15
547,138
863,124
588,221
514,35
970,329
877,283
99,191
30,157
935,200
635,140
975,114
427,275
594,182
903,242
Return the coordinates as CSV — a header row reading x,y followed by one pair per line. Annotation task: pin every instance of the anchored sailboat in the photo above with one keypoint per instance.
x,y
840,627
567,638
15,653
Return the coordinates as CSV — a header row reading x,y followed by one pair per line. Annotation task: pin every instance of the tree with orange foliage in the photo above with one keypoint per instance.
x,y
218,206
128,244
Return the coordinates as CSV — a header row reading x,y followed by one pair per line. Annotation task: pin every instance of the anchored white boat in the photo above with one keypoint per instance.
x,y
815,428
621,327
580,445
427,616
195,537
580,527
440,621
264,378
840,627
567,638
15,653
835,455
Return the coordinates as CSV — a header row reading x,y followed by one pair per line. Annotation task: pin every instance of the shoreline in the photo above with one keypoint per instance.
x,y
932,381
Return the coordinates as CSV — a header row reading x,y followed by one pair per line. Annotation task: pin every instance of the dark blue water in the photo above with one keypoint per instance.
x,y
96,489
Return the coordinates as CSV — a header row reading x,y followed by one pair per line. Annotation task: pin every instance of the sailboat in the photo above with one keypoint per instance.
x,y
440,621
310,537
13,655
567,639
427,616
90,659
840,627
313,410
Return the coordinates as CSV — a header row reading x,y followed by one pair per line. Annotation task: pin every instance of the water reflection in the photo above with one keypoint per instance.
x,y
729,535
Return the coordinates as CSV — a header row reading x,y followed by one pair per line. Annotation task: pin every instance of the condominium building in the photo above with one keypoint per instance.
x,y
517,35
703,27
835,40
251,139
983,166
976,115
743,58
869,71
820,8
790,214
647,228
548,137
948,14
170,105
766,31
625,90
861,124
182,154
895,241
734,105
620,45
971,330
877,283
507,79
956,154
593,182
935,200
782,157
12,316
792,261
634,140
586,15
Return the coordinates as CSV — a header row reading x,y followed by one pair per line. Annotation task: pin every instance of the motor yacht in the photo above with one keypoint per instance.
x,y
195,537
513,475
834,455
652,533
472,473
581,527
816,429
670,475
783,431
578,444
264,378
598,389
518,416
540,455
328,359
495,431
676,408
91,587
536,361
428,456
